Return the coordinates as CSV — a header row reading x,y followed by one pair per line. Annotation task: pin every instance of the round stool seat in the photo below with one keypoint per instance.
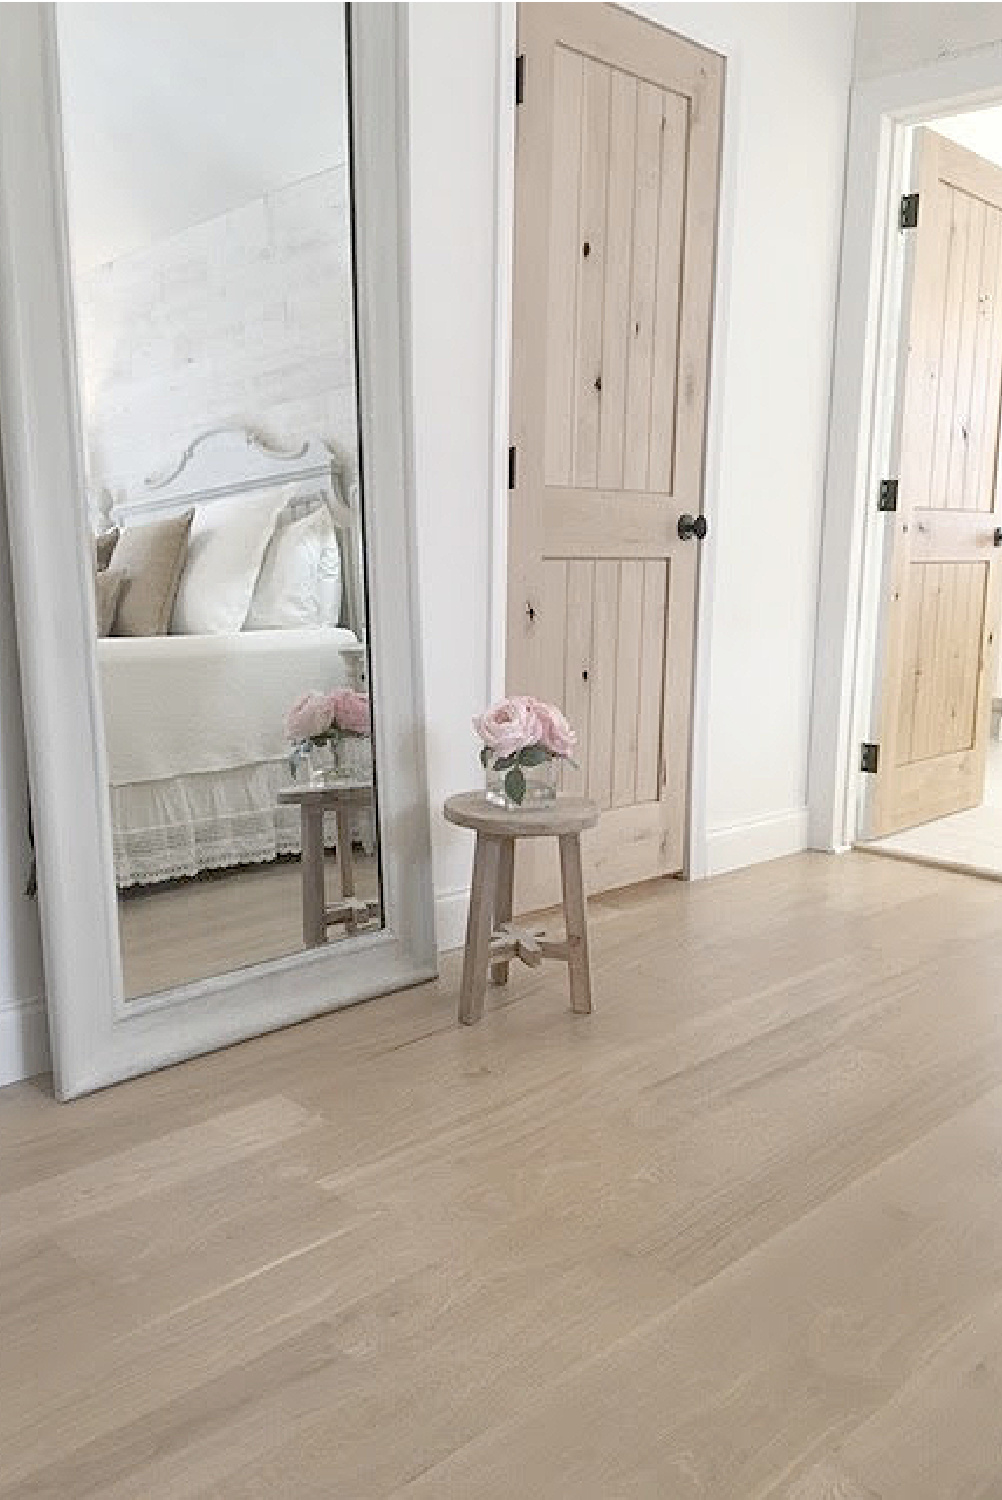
x,y
565,815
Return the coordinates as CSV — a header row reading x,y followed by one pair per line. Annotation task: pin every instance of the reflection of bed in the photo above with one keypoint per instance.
x,y
196,748
194,724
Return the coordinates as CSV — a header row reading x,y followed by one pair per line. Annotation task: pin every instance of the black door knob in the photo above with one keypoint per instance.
x,y
997,536
690,526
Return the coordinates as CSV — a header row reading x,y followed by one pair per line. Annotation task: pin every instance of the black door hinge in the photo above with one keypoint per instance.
x,y
520,78
869,755
511,468
908,217
887,499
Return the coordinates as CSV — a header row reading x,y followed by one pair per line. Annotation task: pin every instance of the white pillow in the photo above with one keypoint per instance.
x,y
300,580
225,551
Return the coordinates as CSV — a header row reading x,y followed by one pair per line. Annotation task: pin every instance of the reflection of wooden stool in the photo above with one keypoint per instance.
x,y
491,937
341,798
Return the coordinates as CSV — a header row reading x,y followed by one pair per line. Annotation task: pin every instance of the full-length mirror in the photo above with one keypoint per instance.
x,y
207,159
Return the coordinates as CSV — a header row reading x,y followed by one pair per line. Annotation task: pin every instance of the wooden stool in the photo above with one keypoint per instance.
x,y
341,798
491,940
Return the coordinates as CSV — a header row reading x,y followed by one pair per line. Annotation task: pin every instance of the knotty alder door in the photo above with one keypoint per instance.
x,y
616,185
941,601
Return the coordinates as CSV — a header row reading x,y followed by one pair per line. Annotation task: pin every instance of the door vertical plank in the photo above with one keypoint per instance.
x,y
908,690
960,427
987,458
577,693
653,620
956,644
981,431
650,117
924,726
940,727
591,271
603,681
561,310
946,388
971,653
618,269
550,685
626,718
664,382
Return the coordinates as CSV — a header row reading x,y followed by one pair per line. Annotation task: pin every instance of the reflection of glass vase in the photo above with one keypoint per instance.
x,y
325,760
538,785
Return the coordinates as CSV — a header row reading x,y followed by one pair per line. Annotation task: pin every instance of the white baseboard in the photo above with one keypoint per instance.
x,y
24,1040
753,842
450,918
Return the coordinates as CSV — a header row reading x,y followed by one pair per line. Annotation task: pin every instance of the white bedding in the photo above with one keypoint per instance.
x,y
182,705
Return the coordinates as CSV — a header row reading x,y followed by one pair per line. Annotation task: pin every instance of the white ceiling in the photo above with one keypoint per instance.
x,y
980,130
174,113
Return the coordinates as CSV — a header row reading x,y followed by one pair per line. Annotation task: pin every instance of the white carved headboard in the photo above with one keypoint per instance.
x,y
226,461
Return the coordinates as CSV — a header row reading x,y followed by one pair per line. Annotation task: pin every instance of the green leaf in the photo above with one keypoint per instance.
x,y
505,762
485,756
514,785
533,755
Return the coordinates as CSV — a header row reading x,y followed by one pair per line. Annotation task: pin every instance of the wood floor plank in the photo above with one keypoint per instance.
x,y
736,1234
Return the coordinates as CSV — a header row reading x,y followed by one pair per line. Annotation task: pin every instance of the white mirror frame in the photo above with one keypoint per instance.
x,y
97,1038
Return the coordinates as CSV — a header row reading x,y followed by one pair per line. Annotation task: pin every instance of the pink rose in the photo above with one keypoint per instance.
x,y
307,718
350,710
509,726
557,735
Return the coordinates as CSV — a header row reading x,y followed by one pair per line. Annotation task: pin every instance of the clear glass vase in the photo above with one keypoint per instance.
x,y
320,762
538,784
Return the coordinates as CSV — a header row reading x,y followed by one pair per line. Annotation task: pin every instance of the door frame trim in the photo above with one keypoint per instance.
x,y
695,843
881,114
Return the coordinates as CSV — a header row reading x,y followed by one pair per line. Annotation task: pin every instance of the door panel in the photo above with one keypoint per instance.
x,y
942,582
616,192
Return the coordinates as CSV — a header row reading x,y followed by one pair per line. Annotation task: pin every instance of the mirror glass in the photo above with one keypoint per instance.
x,y
208,179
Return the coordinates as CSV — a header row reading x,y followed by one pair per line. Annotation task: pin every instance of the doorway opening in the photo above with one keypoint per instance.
x,y
929,684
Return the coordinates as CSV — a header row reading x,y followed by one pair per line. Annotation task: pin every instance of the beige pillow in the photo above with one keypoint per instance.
x,y
108,585
152,557
104,546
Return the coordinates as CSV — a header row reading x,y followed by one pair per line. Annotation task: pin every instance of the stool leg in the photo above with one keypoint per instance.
x,y
576,918
505,900
478,929
344,858
311,860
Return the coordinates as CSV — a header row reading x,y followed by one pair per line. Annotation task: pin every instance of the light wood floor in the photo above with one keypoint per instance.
x,y
171,934
737,1234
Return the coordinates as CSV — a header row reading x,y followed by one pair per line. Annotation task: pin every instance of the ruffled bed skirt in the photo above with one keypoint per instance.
x,y
170,830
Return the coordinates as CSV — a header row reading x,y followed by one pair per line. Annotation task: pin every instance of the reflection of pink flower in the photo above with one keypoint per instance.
x,y
557,735
349,710
509,726
307,718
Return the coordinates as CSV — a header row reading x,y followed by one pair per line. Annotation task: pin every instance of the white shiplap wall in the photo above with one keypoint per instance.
x,y
243,319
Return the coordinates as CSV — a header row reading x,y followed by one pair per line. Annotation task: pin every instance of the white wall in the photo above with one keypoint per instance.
x,y
895,38
453,56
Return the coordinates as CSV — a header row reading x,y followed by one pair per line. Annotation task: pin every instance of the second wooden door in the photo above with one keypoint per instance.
x,y
615,225
942,578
